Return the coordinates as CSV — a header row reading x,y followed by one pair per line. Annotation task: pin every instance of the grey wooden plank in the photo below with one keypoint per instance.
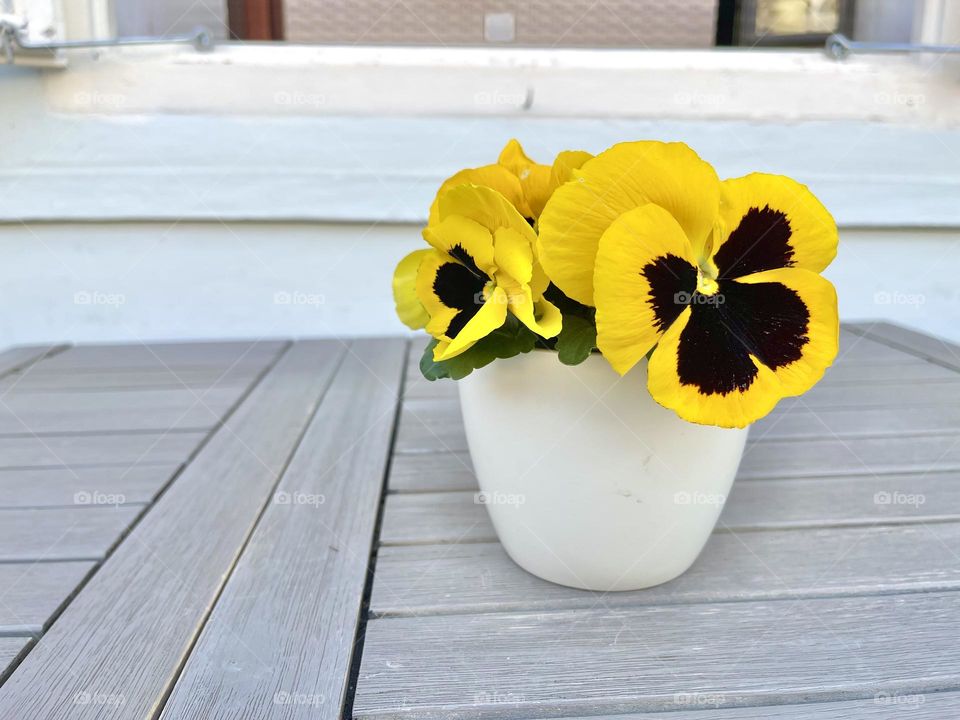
x,y
426,472
76,533
98,450
115,411
165,355
857,349
882,706
457,517
431,425
480,577
868,396
286,621
807,423
198,379
419,387
31,593
130,628
11,648
619,660
911,341
914,370
856,456
49,487
25,356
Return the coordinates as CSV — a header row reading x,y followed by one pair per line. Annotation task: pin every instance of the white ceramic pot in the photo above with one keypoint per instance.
x,y
588,481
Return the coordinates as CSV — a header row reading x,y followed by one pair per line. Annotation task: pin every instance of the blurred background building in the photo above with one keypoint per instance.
x,y
268,187
532,23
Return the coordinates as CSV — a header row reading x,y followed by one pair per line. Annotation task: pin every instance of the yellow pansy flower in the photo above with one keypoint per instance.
x,y
720,280
481,266
526,184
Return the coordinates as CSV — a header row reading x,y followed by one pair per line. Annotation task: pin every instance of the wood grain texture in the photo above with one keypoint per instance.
x,y
882,706
285,623
425,472
856,456
198,379
30,593
101,412
128,631
75,533
51,487
610,660
913,370
480,577
857,349
98,450
899,337
11,648
164,356
845,423
451,517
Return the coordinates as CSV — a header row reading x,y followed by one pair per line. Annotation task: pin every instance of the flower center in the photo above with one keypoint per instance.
x,y
706,285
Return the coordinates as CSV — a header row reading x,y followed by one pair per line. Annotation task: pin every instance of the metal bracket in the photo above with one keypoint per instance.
x,y
839,47
13,36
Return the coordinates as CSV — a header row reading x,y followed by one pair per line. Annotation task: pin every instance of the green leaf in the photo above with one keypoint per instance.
x,y
511,338
430,368
577,339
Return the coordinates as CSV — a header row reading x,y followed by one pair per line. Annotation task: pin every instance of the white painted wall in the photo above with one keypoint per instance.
x,y
168,195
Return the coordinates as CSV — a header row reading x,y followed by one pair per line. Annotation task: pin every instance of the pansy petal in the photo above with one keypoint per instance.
x,y
769,222
486,207
813,344
692,360
541,316
451,293
409,310
624,177
426,279
564,165
496,177
645,276
465,240
488,318
513,254
514,158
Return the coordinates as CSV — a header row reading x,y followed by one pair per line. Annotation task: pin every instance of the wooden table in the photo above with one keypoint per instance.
x,y
260,530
